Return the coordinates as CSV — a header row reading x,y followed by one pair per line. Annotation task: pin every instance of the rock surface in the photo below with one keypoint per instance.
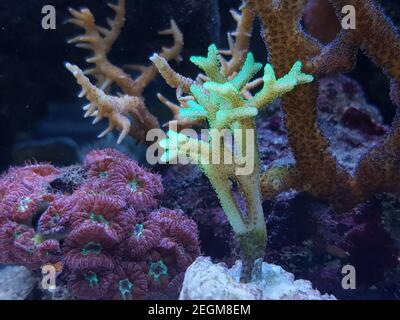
x,y
16,283
207,281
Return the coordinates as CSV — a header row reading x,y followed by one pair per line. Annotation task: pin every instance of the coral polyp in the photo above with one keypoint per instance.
x,y
133,182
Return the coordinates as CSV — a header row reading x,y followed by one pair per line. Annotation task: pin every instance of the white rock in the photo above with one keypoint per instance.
x,y
207,281
16,283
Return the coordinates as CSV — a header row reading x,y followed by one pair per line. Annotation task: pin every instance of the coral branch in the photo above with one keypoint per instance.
x,y
150,72
215,66
174,79
116,25
100,40
316,169
239,47
116,109
181,122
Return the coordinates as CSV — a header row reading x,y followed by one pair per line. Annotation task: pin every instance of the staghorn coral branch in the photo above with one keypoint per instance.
x,y
94,40
173,79
338,56
285,39
116,25
100,40
150,72
239,47
380,40
377,35
221,68
201,152
374,34
273,88
116,109
174,52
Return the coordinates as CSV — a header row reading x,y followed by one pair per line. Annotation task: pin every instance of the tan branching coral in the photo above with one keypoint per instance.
x,y
120,111
376,36
316,170
238,47
115,109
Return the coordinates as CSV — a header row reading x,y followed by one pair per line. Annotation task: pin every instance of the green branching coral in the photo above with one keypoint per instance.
x,y
221,102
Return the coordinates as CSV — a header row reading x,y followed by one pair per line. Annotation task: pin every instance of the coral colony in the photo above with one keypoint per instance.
x,y
108,234
101,223
219,101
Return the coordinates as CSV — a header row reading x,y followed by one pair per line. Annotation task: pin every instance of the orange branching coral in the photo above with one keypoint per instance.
x,y
316,170
182,85
99,40
118,110
376,36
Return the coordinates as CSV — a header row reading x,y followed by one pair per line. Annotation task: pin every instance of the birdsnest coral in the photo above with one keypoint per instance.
x,y
225,103
111,240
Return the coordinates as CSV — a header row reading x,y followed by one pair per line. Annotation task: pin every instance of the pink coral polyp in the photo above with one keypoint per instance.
x,y
102,210
89,246
34,175
54,220
100,169
180,236
132,282
142,237
100,155
23,203
92,285
98,208
141,188
49,251
18,244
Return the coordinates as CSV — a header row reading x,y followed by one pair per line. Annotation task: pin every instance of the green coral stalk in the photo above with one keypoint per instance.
x,y
220,101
